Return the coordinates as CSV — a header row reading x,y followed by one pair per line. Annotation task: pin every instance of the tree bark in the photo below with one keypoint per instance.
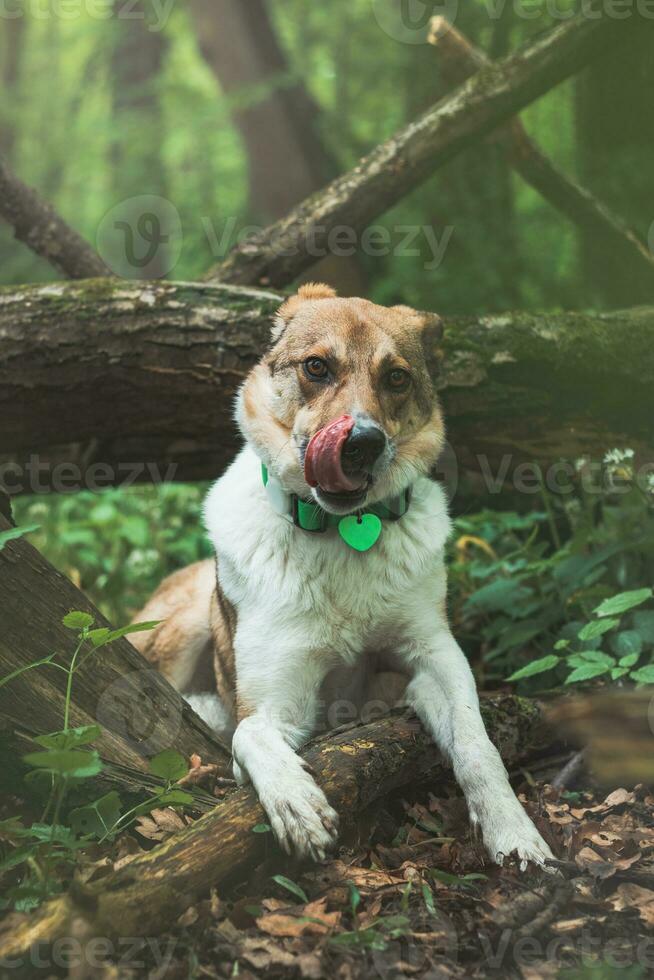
x,y
104,383
37,224
139,712
355,767
283,251
459,59
275,114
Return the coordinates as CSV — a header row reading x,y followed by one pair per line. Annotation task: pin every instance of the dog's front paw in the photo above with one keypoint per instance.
x,y
300,815
508,832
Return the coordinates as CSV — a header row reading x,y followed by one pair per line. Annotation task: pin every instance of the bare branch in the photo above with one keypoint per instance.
x,y
459,59
284,250
37,224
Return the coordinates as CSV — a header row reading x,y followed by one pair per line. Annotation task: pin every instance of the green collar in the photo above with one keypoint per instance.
x,y
360,530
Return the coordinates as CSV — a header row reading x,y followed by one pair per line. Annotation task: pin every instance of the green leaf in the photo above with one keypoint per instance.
x,y
55,833
18,855
169,765
617,672
502,595
620,603
77,621
535,667
428,898
98,636
355,897
597,628
627,643
291,887
262,828
644,675
112,635
66,762
629,660
562,644
15,532
97,818
586,673
595,657
71,739
644,624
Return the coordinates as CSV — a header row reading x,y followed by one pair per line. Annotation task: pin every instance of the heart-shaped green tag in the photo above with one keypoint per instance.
x,y
361,532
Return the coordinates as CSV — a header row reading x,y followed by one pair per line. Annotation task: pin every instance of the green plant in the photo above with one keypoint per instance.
x,y
525,584
64,760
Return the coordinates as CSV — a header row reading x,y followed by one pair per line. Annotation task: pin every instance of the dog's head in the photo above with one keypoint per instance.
x,y
343,407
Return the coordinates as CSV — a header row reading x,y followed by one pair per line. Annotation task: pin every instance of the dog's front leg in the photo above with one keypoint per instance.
x,y
444,695
278,691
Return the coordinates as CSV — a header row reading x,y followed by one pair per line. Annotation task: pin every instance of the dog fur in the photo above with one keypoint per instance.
x,y
306,632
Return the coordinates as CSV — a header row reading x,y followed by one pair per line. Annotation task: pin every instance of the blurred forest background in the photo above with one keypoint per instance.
x,y
235,111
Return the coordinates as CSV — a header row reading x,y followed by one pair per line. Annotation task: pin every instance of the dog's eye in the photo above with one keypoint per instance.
x,y
398,379
316,369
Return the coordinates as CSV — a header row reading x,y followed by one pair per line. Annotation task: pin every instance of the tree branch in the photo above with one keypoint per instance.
x,y
37,224
279,254
459,59
140,378
355,768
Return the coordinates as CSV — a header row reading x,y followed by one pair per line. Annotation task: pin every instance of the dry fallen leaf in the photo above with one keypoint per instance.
x,y
313,920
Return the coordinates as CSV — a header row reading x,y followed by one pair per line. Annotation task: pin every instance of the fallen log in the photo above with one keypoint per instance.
x,y
139,713
355,767
105,383
459,59
280,253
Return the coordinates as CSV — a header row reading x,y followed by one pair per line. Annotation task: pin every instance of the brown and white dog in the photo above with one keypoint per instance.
x,y
312,614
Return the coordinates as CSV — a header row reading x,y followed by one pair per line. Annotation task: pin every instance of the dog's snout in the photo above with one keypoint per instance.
x,y
363,447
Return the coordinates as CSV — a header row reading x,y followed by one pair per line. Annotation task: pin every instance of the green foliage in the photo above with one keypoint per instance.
x,y
119,544
557,596
66,760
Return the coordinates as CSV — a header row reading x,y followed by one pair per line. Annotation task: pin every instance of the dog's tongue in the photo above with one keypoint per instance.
x,y
322,462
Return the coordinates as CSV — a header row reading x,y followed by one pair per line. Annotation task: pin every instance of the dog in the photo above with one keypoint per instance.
x,y
329,586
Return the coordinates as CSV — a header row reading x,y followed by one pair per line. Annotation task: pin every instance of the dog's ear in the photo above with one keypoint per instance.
x,y
286,312
432,336
431,330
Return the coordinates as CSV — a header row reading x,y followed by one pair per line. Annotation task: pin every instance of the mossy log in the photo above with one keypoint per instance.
x,y
140,714
355,767
105,383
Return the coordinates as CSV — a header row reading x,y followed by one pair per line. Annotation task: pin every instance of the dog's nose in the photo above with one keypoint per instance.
x,y
363,447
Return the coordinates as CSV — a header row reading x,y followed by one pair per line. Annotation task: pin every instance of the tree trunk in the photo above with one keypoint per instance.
x,y
138,173
283,251
104,383
355,767
275,115
615,133
273,111
12,42
139,712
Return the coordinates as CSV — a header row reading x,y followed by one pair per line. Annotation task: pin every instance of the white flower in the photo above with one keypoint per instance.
x,y
616,456
650,483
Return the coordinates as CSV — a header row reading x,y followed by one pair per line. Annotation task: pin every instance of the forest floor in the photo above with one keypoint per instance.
x,y
412,894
